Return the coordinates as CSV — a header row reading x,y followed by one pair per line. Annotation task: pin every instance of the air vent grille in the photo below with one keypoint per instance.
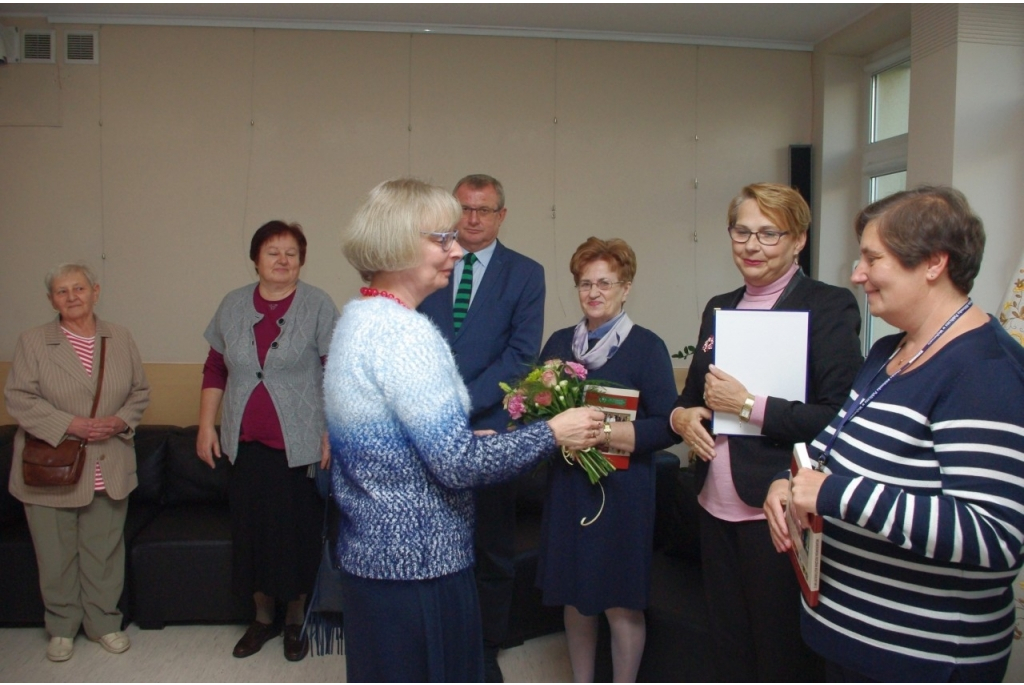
x,y
37,46
81,47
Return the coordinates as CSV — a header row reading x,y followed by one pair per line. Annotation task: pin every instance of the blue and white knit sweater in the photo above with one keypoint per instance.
x,y
403,455
924,515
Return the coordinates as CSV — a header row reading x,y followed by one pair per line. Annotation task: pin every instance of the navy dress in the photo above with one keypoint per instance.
x,y
608,564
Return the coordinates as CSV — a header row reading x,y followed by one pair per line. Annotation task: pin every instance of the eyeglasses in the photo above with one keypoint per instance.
x,y
482,212
766,236
445,239
603,285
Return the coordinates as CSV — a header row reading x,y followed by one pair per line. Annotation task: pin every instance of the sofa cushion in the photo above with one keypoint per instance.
x,y
11,510
150,461
189,479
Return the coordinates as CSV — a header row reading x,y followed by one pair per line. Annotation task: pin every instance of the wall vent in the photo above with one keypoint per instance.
x,y
81,47
37,46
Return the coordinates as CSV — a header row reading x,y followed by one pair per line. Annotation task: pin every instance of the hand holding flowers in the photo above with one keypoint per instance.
x,y
555,391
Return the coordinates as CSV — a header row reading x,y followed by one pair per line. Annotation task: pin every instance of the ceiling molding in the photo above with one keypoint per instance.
x,y
386,27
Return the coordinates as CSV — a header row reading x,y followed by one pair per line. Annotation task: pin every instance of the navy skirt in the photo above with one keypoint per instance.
x,y
413,631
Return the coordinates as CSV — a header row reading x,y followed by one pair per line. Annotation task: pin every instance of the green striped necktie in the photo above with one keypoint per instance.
x,y
464,292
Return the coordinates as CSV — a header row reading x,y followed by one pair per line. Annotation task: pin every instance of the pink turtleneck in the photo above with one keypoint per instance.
x,y
718,496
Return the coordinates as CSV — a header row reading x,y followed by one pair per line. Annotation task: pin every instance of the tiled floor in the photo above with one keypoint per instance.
x,y
202,653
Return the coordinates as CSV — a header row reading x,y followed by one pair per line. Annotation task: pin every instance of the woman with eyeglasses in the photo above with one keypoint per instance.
x,y
404,457
751,591
599,566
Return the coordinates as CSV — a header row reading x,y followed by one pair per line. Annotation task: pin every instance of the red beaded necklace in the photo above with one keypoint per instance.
x,y
373,292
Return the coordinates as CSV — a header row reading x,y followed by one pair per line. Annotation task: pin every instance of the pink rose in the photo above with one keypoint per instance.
x,y
549,378
543,398
575,370
516,407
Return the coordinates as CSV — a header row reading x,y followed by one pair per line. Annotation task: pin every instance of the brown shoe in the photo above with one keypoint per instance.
x,y
296,645
254,639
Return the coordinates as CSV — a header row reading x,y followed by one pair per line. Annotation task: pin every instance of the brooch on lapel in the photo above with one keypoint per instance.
x,y
709,344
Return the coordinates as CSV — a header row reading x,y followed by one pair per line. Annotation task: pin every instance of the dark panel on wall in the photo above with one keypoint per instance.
x,y
800,178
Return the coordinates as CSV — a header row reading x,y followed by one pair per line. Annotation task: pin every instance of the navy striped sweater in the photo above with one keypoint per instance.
x,y
924,512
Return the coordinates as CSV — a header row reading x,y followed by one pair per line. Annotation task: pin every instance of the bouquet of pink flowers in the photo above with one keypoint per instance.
x,y
548,390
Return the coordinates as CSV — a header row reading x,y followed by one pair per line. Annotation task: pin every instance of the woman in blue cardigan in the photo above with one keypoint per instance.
x,y
404,456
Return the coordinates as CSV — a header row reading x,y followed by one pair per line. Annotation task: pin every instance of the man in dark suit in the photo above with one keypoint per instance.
x,y
492,314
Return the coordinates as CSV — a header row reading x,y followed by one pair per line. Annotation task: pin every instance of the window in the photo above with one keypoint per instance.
x,y
885,157
890,102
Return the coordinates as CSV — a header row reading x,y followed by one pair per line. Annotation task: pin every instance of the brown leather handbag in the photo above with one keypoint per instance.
x,y
45,466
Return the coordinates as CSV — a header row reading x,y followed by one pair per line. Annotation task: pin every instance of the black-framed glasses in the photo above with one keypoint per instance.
x,y
603,285
444,239
482,212
766,236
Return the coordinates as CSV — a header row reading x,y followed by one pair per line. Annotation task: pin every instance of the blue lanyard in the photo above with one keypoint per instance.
x,y
864,401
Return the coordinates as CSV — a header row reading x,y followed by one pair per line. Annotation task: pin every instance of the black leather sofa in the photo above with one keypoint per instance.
x,y
178,561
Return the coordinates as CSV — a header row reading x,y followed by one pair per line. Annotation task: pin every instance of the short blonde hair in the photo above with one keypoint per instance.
x,y
385,233
782,204
66,269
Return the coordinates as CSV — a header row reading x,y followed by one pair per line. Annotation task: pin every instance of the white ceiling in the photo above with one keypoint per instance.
x,y
789,26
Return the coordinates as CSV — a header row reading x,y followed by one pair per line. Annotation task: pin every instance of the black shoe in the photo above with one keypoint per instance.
x,y
492,672
296,645
254,639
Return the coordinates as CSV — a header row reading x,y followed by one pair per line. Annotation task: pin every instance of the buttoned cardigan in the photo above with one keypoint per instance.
x,y
292,371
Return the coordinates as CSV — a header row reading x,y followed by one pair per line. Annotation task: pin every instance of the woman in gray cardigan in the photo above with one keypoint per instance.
x,y
268,342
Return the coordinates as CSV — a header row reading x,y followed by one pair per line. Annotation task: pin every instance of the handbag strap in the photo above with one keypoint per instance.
x,y
99,381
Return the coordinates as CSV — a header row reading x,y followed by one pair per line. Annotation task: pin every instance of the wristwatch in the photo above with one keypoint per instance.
x,y
748,406
607,435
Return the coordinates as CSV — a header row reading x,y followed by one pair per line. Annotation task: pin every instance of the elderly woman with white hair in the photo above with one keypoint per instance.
x,y
404,457
60,370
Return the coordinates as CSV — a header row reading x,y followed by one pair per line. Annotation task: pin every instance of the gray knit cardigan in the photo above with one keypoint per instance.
x,y
292,371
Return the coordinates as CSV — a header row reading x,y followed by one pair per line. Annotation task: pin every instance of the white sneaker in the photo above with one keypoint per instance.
x,y
60,648
115,643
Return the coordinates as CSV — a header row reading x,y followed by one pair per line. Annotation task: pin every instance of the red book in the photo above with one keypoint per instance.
x,y
805,554
618,404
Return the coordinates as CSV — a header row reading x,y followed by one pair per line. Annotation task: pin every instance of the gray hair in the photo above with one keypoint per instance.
x,y
481,181
385,233
66,269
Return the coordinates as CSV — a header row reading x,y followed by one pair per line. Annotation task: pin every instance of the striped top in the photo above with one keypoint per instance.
x,y
924,510
84,348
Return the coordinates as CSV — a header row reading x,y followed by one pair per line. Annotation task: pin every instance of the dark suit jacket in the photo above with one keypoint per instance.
x,y
501,334
833,361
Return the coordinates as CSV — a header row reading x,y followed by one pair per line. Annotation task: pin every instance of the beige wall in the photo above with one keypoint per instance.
x,y
158,164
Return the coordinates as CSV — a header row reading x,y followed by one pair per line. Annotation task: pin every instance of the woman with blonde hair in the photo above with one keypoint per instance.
x,y
751,591
404,460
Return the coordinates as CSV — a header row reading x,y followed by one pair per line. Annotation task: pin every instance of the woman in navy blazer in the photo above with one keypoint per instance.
x,y
751,591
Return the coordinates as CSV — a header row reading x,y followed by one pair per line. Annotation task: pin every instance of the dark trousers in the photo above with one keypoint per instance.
x,y
753,606
495,540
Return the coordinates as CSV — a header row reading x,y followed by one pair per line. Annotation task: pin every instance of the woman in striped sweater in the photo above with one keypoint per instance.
x,y
922,484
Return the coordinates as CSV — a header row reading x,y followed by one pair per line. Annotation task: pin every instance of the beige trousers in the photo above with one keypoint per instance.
x,y
80,553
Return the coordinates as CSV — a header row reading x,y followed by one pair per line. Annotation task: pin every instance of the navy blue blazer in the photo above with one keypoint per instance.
x,y
501,334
